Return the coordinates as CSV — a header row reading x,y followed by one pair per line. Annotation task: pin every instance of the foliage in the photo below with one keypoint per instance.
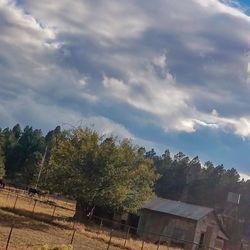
x,y
22,152
2,167
101,172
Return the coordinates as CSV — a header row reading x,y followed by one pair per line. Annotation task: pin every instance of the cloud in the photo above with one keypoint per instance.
x,y
105,25
160,60
175,64
118,87
172,104
224,6
30,66
244,176
47,116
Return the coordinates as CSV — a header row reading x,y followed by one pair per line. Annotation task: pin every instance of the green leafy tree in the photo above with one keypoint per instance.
x,y
104,173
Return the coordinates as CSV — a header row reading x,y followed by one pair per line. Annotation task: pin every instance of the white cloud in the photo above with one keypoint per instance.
x,y
58,59
214,112
48,116
118,88
170,103
105,21
244,176
217,6
160,60
29,60
147,91
242,126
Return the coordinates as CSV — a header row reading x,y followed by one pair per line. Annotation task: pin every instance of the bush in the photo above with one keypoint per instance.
x,y
56,247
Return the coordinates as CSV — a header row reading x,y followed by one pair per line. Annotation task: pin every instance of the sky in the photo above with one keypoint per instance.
x,y
167,74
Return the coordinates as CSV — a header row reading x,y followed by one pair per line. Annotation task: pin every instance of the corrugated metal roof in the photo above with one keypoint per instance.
x,y
177,208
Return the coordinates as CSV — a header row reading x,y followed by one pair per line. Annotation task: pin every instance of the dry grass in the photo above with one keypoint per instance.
x,y
26,203
32,234
56,247
32,230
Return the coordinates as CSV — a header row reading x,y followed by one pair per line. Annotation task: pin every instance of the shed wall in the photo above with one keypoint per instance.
x,y
202,225
153,224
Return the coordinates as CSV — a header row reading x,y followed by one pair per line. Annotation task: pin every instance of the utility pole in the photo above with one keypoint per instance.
x,y
41,166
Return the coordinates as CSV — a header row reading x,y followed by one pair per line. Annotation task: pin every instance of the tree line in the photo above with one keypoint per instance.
x,y
115,174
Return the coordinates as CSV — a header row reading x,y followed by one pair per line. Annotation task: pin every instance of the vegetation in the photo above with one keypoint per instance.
x,y
113,174
101,172
2,167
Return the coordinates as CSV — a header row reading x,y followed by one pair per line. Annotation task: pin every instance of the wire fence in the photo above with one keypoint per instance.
x,y
28,222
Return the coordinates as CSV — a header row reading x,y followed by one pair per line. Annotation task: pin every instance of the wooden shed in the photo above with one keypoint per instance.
x,y
189,226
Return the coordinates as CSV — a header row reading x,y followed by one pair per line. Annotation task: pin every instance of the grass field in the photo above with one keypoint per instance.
x,y
31,234
46,224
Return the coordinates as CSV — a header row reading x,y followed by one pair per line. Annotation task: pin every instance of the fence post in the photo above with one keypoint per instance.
x,y
33,210
142,246
14,206
127,235
110,238
101,224
169,243
73,236
8,193
8,240
159,242
74,224
53,214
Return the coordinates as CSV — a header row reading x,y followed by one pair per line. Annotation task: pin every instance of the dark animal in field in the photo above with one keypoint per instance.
x,y
2,183
35,191
32,191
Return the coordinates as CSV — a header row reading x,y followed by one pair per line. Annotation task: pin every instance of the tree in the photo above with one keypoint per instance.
x,y
27,152
31,168
2,166
17,131
173,173
100,172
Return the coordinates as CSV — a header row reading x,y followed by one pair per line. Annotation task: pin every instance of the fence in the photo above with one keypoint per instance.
x,y
26,228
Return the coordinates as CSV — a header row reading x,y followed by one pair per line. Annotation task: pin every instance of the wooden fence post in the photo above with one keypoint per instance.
x,y
74,224
101,224
8,193
33,210
9,237
110,238
53,214
73,236
127,235
142,246
159,243
14,206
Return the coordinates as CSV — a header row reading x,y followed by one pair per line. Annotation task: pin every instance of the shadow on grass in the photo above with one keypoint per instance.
x,y
7,218
23,218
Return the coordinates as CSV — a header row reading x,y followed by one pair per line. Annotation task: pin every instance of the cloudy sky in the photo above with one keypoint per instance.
x,y
168,74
